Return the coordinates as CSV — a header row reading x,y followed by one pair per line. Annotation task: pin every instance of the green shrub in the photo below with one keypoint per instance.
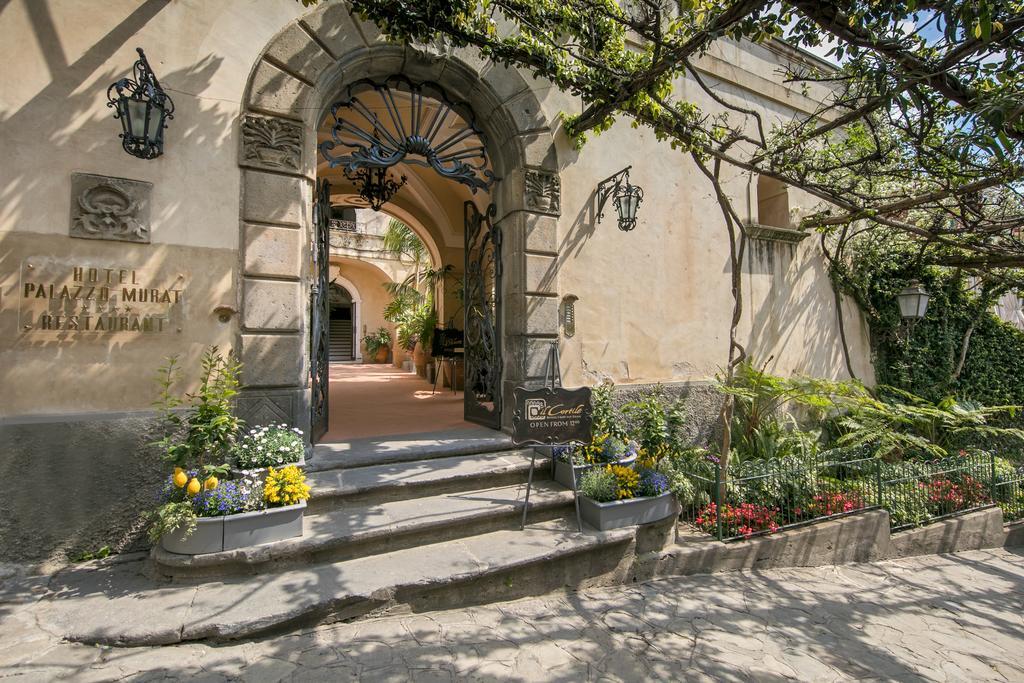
x,y
907,503
600,485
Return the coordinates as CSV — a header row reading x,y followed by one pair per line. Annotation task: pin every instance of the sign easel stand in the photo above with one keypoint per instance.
x,y
553,379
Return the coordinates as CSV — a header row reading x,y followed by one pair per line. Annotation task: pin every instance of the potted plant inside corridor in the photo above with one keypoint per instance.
x,y
377,345
201,509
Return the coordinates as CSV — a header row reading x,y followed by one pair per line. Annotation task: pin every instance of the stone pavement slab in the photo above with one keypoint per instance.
x,y
120,605
936,618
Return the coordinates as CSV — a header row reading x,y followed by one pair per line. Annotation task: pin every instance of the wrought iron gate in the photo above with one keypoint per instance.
x,y
319,314
482,304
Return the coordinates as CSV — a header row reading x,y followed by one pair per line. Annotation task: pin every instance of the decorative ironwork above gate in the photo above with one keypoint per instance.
x,y
379,125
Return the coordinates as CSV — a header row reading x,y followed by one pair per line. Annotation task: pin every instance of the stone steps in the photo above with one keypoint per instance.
x,y
407,448
360,530
118,605
416,479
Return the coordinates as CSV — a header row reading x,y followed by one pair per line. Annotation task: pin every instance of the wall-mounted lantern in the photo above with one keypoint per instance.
x,y
143,108
626,198
913,301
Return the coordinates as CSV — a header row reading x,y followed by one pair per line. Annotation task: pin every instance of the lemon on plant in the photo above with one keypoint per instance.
x,y
210,483
194,487
180,478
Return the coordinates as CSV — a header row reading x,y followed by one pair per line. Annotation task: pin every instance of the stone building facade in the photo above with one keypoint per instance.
x,y
213,239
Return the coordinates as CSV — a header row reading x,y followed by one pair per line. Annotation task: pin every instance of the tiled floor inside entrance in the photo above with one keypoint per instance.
x,y
378,400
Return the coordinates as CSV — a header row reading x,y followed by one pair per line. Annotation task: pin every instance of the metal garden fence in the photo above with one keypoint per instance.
x,y
764,496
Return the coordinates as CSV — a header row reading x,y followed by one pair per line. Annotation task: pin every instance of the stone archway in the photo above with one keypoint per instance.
x,y
301,71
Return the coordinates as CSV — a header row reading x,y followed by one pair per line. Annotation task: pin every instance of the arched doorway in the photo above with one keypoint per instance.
x,y
407,143
342,328
290,86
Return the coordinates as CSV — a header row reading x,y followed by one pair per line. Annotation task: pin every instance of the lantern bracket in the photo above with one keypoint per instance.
x,y
142,88
617,187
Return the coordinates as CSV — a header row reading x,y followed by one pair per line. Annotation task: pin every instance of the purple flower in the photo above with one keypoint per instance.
x,y
653,483
226,499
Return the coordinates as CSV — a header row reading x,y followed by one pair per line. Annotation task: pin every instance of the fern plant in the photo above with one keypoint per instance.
x,y
897,423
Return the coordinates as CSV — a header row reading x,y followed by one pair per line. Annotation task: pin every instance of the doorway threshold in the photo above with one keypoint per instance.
x,y
379,450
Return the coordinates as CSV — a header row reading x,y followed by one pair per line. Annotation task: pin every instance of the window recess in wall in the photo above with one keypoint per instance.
x,y
768,213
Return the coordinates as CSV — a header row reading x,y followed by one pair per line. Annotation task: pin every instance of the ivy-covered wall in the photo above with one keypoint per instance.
x,y
925,357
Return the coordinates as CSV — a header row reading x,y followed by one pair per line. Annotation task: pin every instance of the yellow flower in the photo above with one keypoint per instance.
x,y
628,480
285,486
180,478
210,483
194,487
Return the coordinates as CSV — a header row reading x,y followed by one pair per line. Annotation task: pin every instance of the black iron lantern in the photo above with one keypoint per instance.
x,y
625,196
143,108
375,185
913,301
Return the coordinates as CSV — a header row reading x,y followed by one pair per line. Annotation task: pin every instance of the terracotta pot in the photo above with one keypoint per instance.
x,y
381,356
419,359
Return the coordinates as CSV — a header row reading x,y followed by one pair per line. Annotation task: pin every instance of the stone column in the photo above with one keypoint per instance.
x,y
276,211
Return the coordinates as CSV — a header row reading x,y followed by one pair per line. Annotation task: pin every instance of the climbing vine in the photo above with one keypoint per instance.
x,y
960,348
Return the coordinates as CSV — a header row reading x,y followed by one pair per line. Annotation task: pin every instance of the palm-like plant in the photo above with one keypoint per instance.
x,y
897,423
412,307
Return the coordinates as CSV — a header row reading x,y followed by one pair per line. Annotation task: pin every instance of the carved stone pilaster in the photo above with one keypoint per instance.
x,y
272,143
105,208
543,192
263,407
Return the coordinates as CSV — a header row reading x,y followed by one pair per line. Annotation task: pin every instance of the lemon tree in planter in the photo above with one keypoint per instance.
x,y
199,431
203,511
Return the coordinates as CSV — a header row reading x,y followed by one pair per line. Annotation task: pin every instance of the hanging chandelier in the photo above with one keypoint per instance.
x,y
375,185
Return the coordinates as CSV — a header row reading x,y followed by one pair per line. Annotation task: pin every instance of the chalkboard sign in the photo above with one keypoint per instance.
x,y
544,417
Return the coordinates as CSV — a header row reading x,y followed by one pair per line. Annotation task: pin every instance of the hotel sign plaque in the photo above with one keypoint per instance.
x,y
87,299
551,416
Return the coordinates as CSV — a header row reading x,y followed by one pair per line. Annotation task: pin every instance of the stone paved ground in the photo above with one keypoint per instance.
x,y
953,617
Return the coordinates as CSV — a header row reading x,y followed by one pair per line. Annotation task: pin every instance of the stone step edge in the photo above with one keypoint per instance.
x,y
545,496
326,458
325,490
338,607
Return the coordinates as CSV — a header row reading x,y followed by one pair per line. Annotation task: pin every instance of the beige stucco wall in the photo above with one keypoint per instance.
x,y
653,304
60,56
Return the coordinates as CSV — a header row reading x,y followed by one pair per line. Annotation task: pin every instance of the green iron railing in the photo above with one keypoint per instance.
x,y
762,497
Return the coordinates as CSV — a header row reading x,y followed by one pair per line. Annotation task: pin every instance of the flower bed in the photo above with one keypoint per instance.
x,y
232,514
617,495
201,509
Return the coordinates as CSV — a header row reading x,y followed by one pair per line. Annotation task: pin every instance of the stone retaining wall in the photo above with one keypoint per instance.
x,y
862,537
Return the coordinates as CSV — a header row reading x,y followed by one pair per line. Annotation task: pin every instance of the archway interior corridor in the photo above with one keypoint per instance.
x,y
373,400
368,272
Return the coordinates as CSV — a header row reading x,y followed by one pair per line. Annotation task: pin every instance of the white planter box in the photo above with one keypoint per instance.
x,y
214,534
207,538
629,512
263,526
563,476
